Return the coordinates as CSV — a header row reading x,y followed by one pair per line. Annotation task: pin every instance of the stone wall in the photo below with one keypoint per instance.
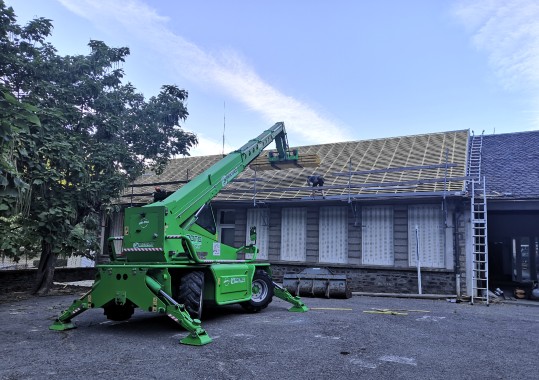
x,y
23,280
380,280
361,279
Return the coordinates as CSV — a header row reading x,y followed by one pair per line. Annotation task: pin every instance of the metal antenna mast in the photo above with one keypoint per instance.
x,y
224,126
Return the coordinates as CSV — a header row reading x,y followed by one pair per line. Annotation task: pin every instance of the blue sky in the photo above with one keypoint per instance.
x,y
331,70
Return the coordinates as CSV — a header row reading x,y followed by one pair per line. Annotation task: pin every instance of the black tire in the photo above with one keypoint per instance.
x,y
262,292
118,313
191,293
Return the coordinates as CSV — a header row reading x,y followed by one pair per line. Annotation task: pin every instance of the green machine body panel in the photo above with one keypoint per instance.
x,y
144,238
233,282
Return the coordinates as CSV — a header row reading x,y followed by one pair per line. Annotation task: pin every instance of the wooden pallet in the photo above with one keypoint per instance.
x,y
304,161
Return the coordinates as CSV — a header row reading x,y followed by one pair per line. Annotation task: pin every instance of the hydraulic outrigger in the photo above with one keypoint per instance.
x,y
171,260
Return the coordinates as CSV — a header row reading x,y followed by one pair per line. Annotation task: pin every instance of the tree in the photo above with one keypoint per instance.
x,y
95,134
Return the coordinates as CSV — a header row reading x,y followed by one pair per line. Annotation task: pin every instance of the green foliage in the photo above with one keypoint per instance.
x,y
16,239
16,118
73,134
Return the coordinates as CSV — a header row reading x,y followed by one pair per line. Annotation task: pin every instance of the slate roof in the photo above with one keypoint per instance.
x,y
391,165
510,165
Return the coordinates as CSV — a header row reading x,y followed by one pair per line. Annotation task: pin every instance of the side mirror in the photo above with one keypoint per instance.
x,y
252,234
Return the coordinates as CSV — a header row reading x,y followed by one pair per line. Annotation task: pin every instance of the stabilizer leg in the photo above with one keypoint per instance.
x,y
282,293
63,322
197,335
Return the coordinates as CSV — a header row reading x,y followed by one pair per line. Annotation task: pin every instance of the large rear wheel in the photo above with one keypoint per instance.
x,y
191,293
262,292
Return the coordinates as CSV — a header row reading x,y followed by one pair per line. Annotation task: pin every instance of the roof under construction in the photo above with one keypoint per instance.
x,y
396,166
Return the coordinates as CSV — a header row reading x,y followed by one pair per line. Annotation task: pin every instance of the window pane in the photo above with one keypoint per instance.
x,y
227,217
377,235
206,221
294,234
430,236
333,235
227,236
259,217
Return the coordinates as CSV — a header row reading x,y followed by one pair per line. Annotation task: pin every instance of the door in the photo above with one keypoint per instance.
x,y
524,252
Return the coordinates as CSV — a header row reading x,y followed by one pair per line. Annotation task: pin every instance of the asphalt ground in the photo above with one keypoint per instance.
x,y
336,339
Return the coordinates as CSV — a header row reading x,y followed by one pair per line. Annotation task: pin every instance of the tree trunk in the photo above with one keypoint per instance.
x,y
45,271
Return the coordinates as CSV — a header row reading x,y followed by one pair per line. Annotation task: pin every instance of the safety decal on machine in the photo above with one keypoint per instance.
x,y
217,249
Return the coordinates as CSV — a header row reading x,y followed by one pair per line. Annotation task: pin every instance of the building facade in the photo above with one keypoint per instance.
x,y
391,211
510,165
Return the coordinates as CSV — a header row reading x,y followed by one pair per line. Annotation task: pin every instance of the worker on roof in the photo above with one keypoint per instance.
x,y
316,180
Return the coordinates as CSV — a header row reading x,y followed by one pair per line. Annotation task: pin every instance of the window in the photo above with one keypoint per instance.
x,y
227,226
259,218
525,263
206,220
430,236
333,235
294,234
377,235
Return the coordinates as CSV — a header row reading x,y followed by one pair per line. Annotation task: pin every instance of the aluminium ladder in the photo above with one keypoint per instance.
x,y
478,219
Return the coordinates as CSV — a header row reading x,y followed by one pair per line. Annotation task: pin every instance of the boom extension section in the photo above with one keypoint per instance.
x,y
189,199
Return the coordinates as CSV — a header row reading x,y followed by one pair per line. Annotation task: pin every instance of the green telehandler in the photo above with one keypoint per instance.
x,y
171,261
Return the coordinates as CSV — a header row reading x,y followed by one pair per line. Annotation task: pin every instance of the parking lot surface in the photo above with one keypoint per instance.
x,y
361,337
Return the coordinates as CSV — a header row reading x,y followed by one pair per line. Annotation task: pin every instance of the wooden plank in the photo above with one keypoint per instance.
x,y
304,161
399,169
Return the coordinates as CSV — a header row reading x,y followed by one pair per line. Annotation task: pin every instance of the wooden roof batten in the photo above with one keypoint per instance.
x,y
399,169
409,166
382,185
375,186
